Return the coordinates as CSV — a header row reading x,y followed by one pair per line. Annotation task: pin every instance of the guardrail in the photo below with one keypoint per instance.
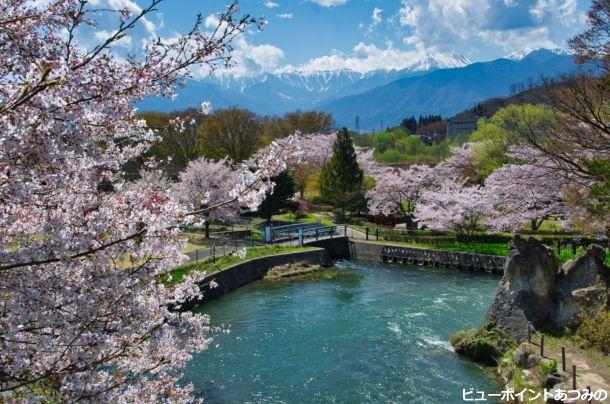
x,y
288,231
321,232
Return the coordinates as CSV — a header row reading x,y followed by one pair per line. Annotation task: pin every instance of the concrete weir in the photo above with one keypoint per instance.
x,y
342,248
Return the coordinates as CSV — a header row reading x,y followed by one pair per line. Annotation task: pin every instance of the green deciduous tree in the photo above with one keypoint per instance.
x,y
341,181
233,132
304,122
495,135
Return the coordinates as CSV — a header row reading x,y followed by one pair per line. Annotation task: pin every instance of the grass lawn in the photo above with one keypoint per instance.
x,y
477,248
291,217
226,261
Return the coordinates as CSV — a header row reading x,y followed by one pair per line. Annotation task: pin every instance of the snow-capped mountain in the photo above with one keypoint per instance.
x,y
314,86
433,84
519,55
438,61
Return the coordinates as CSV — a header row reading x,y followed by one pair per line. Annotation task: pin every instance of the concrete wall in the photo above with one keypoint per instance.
x,y
252,270
421,256
337,247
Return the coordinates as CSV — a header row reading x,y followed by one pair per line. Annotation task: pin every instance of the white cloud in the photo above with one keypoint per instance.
x,y
249,60
133,7
363,58
518,39
329,3
124,42
286,16
271,4
461,25
211,21
375,20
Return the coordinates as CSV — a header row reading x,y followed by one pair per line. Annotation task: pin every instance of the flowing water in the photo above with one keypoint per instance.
x,y
371,333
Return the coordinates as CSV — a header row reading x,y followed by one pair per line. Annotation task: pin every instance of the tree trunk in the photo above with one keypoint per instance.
x,y
410,223
536,224
207,229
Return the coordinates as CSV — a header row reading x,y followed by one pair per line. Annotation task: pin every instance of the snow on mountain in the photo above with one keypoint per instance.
x,y
519,55
438,61
435,83
325,83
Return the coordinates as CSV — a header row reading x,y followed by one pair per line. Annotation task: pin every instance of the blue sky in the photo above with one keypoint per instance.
x,y
369,34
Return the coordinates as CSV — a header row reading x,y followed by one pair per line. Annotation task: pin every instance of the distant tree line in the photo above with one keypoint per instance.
x,y
411,124
231,132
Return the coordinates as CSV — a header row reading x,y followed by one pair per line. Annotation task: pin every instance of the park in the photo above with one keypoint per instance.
x,y
160,249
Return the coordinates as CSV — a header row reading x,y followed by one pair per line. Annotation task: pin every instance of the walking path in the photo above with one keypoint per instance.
x,y
592,366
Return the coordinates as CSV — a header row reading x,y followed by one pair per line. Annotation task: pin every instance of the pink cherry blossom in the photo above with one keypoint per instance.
x,y
397,190
85,314
454,207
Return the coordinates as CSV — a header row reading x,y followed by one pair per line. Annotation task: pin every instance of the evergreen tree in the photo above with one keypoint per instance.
x,y
341,179
410,124
281,198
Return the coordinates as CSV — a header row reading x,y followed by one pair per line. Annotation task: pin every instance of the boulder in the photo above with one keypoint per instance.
x,y
551,380
526,291
582,284
526,356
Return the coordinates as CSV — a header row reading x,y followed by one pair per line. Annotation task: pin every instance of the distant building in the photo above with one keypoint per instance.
x,y
461,125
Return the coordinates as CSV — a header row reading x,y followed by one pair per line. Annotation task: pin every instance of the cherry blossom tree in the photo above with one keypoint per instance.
x,y
207,183
84,313
455,207
397,190
525,193
458,166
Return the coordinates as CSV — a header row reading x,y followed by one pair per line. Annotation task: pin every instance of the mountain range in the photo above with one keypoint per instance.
x,y
435,84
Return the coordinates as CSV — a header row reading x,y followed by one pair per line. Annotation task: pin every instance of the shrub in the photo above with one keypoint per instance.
x,y
485,345
548,366
596,330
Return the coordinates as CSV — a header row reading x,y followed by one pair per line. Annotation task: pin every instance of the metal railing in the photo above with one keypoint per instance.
x,y
288,231
221,246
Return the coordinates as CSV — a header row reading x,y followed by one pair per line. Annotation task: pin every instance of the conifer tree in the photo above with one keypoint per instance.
x,y
341,179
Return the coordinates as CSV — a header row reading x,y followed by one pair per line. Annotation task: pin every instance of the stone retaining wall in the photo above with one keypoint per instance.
x,y
422,256
246,272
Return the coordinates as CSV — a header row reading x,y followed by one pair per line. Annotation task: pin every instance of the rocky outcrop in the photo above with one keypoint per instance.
x,y
582,285
536,290
526,290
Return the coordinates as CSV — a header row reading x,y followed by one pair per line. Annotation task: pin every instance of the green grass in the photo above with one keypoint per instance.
x,y
567,254
225,261
477,248
291,217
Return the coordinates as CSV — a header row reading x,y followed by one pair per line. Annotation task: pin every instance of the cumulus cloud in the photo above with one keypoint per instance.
x,y
519,38
440,25
329,3
249,60
271,4
286,16
363,58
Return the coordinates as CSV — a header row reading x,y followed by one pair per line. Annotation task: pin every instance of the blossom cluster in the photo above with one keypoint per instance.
x,y
84,315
